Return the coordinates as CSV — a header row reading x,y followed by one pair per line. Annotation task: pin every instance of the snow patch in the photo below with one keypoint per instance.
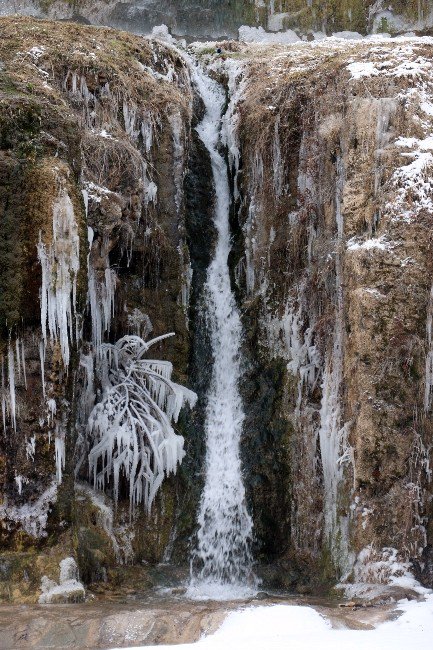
x,y
378,243
294,627
259,35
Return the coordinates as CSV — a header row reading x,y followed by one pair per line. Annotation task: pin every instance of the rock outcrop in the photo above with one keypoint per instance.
x,y
222,18
105,230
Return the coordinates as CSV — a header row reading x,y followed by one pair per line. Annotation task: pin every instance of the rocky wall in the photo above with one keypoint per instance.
x,y
94,138
333,268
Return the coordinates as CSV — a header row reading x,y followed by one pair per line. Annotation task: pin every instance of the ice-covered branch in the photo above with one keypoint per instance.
x,y
131,426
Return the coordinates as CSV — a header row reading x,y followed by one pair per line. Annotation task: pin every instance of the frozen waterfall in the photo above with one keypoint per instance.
x,y
222,562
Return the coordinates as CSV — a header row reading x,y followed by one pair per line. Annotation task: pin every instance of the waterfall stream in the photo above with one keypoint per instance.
x,y
222,562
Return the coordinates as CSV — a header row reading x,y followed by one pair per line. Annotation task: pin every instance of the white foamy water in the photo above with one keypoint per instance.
x,y
222,559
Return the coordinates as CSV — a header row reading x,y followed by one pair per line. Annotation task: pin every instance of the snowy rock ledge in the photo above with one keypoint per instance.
x,y
70,589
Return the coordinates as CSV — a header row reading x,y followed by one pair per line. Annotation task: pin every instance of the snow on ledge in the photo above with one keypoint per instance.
x,y
294,627
258,35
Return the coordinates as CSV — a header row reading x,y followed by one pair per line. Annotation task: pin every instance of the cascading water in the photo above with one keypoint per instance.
x,y
222,562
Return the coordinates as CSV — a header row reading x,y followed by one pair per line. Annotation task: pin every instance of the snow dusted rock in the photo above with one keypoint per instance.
x,y
336,207
69,589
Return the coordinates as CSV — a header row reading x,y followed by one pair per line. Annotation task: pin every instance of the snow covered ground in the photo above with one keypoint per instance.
x,y
291,627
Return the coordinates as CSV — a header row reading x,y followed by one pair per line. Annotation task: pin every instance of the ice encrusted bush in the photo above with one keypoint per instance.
x,y
131,426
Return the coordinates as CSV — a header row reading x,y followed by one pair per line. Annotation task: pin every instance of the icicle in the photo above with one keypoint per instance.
x,y
19,481
129,116
42,360
3,395
278,162
150,188
147,132
52,409
101,299
429,356
86,362
59,452
17,352
11,376
175,122
31,448
23,360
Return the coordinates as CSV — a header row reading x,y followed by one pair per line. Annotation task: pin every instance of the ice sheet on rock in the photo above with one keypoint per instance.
x,y
32,517
104,510
60,263
69,589
375,569
335,450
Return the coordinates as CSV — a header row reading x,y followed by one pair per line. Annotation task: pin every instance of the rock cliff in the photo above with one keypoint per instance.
x,y
104,183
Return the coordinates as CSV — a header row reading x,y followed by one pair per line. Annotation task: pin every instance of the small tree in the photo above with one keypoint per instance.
x,y
131,425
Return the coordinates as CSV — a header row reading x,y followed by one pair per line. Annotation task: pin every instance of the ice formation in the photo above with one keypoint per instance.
x,y
131,426
32,517
101,299
334,448
11,376
376,570
60,263
59,453
104,512
429,355
13,371
222,557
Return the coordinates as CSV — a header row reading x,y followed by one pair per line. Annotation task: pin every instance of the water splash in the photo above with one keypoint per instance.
x,y
222,561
